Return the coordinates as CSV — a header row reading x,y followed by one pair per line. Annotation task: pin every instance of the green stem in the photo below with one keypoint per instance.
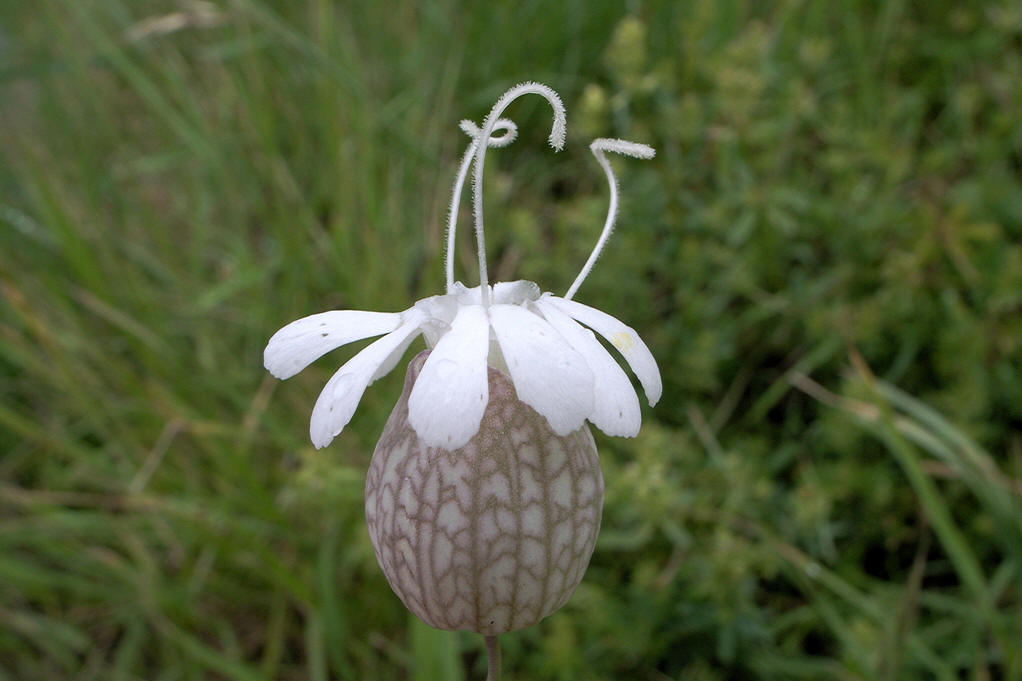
x,y
493,657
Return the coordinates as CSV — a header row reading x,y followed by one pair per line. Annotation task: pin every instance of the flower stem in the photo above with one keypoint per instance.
x,y
493,658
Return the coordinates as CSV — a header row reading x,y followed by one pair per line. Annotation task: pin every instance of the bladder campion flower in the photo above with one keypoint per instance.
x,y
484,493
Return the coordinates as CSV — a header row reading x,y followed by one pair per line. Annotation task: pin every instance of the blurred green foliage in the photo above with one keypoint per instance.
x,y
825,257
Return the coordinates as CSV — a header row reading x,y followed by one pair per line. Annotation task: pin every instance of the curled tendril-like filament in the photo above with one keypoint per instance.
x,y
599,147
494,123
510,131
557,134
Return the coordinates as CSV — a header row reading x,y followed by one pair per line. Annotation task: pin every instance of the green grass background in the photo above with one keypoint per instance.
x,y
825,257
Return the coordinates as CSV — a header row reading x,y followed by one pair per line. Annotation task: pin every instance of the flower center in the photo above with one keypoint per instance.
x,y
440,311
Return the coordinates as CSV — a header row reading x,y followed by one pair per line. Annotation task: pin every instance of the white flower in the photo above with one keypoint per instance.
x,y
557,366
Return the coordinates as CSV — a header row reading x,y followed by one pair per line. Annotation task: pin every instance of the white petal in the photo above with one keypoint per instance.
x,y
302,342
391,360
343,391
450,394
615,404
622,337
547,374
515,292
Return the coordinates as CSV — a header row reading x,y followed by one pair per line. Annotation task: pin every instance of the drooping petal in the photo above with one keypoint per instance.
x,y
622,337
391,360
449,397
344,390
302,342
615,404
548,374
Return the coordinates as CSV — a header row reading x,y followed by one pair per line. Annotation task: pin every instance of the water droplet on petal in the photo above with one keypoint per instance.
x,y
445,368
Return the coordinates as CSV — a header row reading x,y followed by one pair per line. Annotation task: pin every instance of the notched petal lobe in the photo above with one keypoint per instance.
x,y
303,341
547,373
450,394
622,337
343,392
615,404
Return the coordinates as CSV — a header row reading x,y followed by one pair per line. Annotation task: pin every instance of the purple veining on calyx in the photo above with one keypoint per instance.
x,y
490,537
